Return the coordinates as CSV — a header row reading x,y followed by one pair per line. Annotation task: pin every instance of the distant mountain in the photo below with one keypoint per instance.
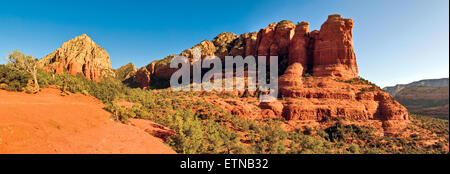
x,y
393,90
425,97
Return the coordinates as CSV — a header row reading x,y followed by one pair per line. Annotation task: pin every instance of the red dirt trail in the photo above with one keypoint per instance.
x,y
76,124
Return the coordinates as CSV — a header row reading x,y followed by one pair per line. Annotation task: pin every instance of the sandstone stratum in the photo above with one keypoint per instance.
x,y
318,75
79,55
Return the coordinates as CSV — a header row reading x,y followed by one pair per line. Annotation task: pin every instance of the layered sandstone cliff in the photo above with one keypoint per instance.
x,y
79,55
322,99
325,53
318,79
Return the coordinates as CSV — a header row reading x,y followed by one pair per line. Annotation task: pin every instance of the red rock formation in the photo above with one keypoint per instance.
x,y
291,80
222,44
161,68
298,48
207,49
333,49
284,31
126,72
264,40
79,55
143,77
251,44
328,54
323,98
275,106
245,45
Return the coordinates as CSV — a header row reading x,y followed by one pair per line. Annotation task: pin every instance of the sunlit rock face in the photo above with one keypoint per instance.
x,y
79,55
333,49
319,75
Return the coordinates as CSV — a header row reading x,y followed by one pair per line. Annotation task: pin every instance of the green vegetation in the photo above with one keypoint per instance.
x,y
13,80
285,22
25,64
359,81
341,132
369,89
125,71
439,126
202,127
422,103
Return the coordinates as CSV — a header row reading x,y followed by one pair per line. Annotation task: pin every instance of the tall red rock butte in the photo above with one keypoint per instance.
x,y
79,55
318,74
325,53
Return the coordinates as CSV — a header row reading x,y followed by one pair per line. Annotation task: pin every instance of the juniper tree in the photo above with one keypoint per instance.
x,y
24,63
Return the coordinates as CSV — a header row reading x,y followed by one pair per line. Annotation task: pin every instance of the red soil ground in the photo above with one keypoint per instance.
x,y
50,123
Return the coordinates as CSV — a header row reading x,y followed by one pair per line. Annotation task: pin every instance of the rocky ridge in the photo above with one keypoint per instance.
x,y
126,72
319,78
393,90
425,97
325,53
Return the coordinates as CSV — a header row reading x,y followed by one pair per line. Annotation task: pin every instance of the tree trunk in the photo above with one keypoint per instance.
x,y
36,84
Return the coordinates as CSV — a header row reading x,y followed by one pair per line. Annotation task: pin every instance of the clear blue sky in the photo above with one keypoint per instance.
x,y
396,41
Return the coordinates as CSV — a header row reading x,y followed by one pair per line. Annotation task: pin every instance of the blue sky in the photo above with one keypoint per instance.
x,y
396,41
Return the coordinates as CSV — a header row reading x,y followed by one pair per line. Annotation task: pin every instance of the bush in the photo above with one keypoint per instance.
x,y
119,113
44,78
341,132
12,80
305,144
360,81
269,138
439,126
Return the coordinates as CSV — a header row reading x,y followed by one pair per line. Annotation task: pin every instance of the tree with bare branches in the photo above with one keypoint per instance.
x,y
24,63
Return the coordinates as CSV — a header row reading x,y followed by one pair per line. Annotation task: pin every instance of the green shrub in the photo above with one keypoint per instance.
x,y
341,132
120,113
361,81
44,78
305,144
13,80
439,126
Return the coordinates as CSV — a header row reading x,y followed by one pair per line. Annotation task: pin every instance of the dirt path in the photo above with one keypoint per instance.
x,y
49,123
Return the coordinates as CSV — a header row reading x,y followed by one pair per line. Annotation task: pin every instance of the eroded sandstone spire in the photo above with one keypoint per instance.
x,y
333,49
298,48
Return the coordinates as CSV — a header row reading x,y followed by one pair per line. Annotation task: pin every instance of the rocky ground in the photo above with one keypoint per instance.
x,y
50,123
